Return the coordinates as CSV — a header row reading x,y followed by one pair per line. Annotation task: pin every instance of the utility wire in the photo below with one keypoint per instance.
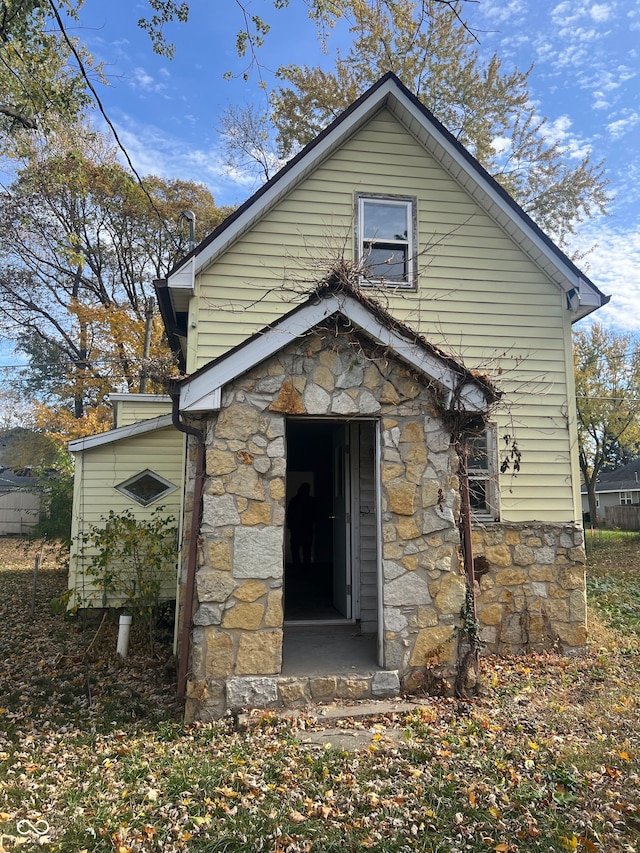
x,y
103,113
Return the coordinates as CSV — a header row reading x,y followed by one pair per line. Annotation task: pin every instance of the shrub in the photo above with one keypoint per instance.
x,y
131,559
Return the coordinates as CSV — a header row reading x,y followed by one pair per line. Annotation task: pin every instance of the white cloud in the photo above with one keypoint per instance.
x,y
155,152
614,266
498,11
565,14
601,12
141,79
501,144
558,132
622,126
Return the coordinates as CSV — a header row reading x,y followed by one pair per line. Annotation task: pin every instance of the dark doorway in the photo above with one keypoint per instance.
x,y
317,576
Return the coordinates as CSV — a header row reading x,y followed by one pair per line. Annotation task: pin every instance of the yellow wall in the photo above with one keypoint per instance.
x,y
479,297
98,471
132,411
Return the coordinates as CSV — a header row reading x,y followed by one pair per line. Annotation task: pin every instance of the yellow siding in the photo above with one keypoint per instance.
x,y
132,411
98,471
479,297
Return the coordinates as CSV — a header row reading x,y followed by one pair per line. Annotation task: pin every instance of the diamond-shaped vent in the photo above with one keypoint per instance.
x,y
146,487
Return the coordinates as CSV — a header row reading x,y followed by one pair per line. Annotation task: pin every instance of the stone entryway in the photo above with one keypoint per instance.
x,y
322,650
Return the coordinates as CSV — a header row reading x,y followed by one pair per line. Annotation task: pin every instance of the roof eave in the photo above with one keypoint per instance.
x,y
463,167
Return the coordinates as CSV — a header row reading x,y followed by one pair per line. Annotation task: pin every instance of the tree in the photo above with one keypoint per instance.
x,y
40,81
488,109
27,448
80,244
607,373
47,76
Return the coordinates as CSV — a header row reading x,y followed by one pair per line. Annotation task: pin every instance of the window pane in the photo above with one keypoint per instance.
x,y
478,457
385,221
478,495
146,488
387,262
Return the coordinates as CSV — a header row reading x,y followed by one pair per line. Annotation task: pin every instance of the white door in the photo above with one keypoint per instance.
x,y
341,522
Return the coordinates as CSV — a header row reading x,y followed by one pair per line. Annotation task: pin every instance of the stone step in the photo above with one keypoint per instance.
x,y
291,692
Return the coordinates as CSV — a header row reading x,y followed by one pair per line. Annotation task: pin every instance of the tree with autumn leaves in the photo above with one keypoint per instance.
x,y
607,374
81,242
485,105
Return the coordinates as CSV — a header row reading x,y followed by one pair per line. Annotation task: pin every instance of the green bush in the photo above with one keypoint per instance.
x,y
131,559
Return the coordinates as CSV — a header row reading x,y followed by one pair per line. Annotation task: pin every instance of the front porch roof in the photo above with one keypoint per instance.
x,y
464,391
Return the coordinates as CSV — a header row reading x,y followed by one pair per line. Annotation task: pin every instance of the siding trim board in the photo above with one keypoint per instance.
x,y
88,442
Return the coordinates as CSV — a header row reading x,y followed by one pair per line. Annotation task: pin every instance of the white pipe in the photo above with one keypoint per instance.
x,y
124,626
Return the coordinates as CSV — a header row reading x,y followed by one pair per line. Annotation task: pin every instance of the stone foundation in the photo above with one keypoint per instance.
x,y
532,592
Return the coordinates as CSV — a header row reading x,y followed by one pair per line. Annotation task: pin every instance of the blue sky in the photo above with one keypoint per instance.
x,y
585,81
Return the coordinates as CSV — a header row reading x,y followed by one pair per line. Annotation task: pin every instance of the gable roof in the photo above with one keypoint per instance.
x,y
623,479
88,442
465,391
10,479
583,296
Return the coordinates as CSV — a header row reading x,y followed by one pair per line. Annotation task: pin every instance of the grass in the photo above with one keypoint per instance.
x,y
545,760
613,581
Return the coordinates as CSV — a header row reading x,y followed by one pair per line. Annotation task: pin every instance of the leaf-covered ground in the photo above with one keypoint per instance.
x,y
93,756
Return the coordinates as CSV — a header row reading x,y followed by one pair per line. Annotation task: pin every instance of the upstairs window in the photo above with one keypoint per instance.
x,y
386,240
482,468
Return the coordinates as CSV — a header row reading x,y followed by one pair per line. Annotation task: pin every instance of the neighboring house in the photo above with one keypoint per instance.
x,y
19,502
616,490
137,466
312,326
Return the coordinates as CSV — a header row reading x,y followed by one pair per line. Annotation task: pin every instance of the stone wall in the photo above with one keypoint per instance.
x,y
531,576
532,586
237,638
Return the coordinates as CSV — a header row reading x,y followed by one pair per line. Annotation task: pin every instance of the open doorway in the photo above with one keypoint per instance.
x,y
333,576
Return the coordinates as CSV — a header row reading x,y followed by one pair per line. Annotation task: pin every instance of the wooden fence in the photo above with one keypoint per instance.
x,y
623,517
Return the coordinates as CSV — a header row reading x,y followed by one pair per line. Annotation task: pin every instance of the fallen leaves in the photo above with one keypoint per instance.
x,y
545,761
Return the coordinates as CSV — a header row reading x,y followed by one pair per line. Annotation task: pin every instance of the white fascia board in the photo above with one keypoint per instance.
x,y
88,442
470,397
293,176
636,488
139,398
449,157
498,207
196,394
183,279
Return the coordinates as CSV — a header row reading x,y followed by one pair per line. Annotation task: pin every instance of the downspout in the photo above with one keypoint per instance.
x,y
470,612
192,561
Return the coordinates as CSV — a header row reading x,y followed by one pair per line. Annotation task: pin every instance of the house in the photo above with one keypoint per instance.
x,y
338,330
19,502
615,491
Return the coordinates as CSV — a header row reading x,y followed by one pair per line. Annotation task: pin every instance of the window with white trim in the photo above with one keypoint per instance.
x,y
482,469
625,498
385,228
146,487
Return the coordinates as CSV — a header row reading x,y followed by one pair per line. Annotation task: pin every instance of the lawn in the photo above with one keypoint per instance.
x,y
93,756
